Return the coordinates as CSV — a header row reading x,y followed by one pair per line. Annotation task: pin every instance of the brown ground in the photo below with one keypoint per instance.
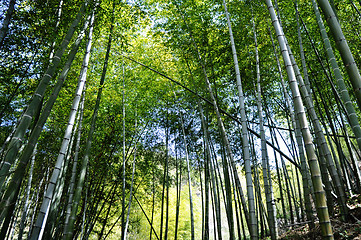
x,y
341,230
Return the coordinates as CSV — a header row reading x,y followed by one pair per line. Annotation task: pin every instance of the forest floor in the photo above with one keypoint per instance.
x,y
341,229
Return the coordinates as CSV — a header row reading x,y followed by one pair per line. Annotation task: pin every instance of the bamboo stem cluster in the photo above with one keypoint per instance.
x,y
95,184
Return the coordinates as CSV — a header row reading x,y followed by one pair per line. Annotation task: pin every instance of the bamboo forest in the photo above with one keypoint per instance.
x,y
180,119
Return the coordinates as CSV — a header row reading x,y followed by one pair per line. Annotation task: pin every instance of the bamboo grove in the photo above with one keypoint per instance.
x,y
178,119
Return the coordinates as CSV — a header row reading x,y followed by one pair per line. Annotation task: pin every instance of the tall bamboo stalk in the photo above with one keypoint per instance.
x,y
321,205
265,161
36,101
131,185
355,126
218,227
245,145
5,26
74,169
26,204
43,214
342,45
189,177
326,161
